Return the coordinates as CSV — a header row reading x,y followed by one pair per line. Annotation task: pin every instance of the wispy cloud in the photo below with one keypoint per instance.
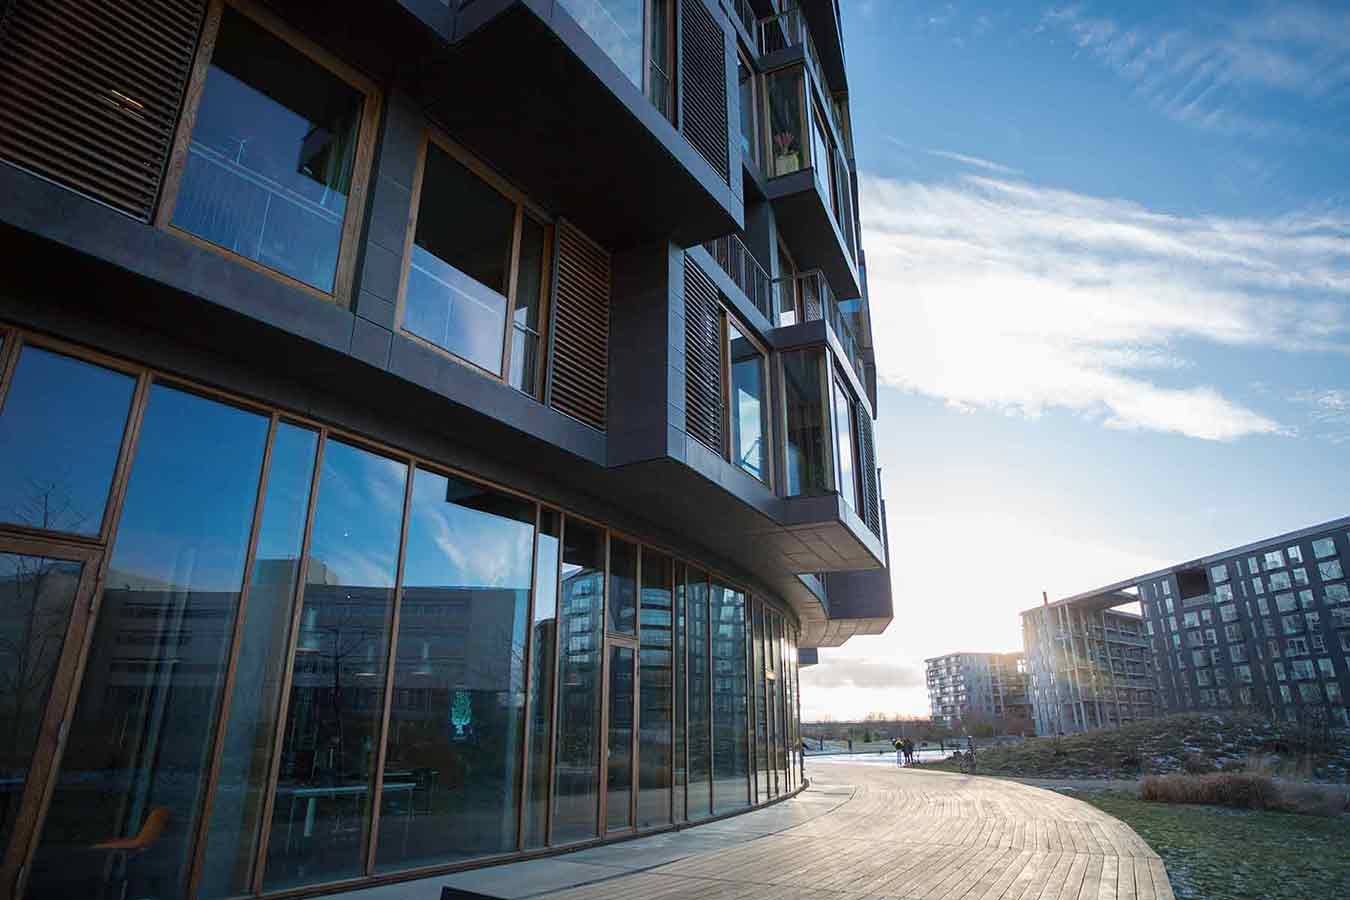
x,y
974,161
1203,75
997,294
1329,410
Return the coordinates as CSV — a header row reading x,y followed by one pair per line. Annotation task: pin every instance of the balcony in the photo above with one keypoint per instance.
x,y
808,297
591,133
731,254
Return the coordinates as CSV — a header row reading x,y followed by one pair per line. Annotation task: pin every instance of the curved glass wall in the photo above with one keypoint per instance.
x,y
314,661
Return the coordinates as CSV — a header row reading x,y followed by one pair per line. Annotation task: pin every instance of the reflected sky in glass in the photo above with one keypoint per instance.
x,y
60,432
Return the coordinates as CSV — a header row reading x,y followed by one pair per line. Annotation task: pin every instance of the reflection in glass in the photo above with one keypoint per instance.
x,y
461,262
786,134
622,586
236,814
761,715
322,804
807,472
731,720
139,746
822,162
679,772
527,324
616,26
270,165
700,715
36,597
457,723
749,112
545,631
576,789
749,412
845,474
619,760
779,707
60,431
654,664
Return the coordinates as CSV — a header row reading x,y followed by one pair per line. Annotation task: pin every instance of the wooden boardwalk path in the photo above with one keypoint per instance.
x,y
908,834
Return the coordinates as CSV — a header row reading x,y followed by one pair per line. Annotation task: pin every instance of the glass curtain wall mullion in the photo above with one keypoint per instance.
x,y
278,739
227,688
391,668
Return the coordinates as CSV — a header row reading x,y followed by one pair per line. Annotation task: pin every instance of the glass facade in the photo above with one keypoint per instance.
x,y
313,661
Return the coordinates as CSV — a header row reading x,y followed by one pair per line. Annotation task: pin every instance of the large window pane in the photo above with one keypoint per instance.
x,y
616,25
577,787
461,263
679,771
545,631
619,758
843,444
457,723
805,426
786,131
140,743
762,780
749,112
731,763
528,325
36,598
749,423
321,808
654,663
622,586
60,431
700,698
270,165
822,162
236,814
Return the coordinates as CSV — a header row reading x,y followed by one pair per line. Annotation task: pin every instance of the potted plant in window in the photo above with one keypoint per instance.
x,y
787,158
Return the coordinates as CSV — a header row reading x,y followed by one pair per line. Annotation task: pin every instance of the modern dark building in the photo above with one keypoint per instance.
x,y
430,434
1264,627
965,688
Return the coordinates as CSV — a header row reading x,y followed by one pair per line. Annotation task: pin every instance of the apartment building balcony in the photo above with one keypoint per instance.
x,y
800,147
624,125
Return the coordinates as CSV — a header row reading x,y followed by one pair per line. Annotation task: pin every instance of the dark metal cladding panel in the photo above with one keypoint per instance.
x,y
702,358
703,100
90,92
578,385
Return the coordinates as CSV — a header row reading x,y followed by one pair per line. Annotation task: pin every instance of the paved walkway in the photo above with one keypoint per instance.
x,y
860,832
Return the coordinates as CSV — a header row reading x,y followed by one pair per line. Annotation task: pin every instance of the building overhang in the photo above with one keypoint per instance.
x,y
524,86
808,227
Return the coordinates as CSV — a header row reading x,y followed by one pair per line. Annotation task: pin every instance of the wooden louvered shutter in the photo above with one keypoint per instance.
x,y
703,75
90,92
871,500
703,403
579,375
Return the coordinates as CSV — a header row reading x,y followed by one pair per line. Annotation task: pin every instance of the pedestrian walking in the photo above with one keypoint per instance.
x,y
899,752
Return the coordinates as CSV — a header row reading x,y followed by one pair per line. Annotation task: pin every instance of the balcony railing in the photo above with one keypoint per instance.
x,y
748,18
738,262
811,293
789,29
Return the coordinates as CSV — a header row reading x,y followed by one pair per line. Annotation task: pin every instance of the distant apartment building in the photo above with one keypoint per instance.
x,y
1262,627
965,687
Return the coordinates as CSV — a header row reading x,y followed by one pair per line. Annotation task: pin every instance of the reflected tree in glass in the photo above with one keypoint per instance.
x,y
321,808
139,745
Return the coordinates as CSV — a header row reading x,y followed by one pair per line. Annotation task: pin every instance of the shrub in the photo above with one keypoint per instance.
x,y
1197,764
1246,791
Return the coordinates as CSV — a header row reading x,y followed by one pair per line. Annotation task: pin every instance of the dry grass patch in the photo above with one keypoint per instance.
x,y
1245,790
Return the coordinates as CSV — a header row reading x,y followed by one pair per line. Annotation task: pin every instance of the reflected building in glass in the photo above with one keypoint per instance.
x,y
397,478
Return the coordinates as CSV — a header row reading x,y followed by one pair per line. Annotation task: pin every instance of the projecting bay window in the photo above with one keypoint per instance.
x,y
638,36
273,152
477,268
846,446
806,448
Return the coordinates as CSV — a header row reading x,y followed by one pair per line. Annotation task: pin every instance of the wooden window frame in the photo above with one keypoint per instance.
x,y
666,66
727,321
362,160
432,137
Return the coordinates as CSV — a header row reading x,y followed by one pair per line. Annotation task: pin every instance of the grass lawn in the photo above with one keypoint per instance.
x,y
1216,853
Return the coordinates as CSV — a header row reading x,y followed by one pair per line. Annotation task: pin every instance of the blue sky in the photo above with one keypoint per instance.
x,y
1109,260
